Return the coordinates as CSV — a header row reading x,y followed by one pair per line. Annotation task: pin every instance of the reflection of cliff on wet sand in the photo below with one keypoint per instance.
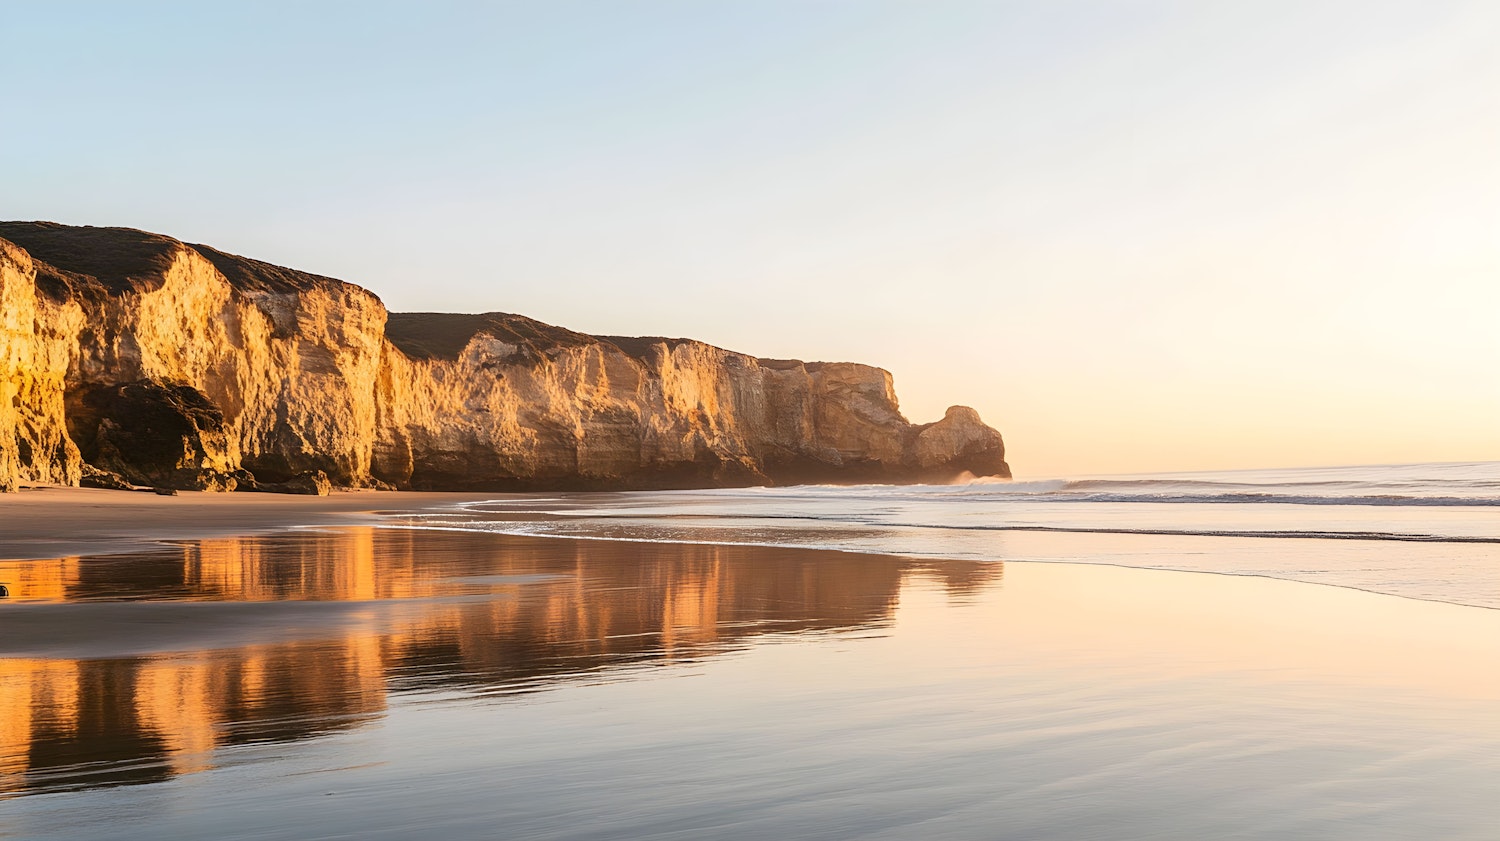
x,y
407,610
85,723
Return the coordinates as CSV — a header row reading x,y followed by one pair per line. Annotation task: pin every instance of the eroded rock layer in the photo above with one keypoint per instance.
x,y
177,365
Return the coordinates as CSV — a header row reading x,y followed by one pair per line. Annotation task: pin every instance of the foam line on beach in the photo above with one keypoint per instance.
x,y
1306,534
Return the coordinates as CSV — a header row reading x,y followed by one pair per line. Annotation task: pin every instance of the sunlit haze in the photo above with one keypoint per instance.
x,y
1135,236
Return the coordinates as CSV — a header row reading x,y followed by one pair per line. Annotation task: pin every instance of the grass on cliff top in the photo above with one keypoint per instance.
x,y
82,258
444,335
252,275
116,259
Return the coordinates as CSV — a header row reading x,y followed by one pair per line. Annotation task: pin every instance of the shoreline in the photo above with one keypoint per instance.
x,y
259,656
920,558
42,522
47,522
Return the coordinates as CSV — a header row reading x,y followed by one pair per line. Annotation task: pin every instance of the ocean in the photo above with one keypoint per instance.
x,y
1293,654
1426,531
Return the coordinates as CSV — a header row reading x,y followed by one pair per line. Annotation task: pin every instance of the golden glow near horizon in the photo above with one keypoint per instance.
x,y
1136,237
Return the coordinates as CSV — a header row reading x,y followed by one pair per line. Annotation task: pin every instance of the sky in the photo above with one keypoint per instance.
x,y
1136,236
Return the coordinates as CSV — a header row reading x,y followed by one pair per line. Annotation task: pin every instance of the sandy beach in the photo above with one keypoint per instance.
x,y
295,666
50,521
396,681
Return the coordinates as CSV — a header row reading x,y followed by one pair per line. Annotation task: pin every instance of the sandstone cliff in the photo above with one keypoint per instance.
x,y
177,365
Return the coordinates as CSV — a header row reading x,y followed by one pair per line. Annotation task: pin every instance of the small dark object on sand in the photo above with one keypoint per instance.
x,y
164,491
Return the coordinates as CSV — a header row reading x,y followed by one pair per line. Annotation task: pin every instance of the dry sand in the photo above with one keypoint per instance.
x,y
49,522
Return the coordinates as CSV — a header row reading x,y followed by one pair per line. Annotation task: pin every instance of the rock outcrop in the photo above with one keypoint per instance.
x,y
176,365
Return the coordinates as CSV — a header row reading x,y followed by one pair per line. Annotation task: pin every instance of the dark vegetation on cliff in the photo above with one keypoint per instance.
x,y
250,275
641,347
92,260
444,335
149,361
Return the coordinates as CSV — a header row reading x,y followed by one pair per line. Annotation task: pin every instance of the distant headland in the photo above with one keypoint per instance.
x,y
132,359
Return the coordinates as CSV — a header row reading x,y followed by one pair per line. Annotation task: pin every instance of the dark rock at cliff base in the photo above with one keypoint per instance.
x,y
244,480
167,435
178,365
93,477
311,483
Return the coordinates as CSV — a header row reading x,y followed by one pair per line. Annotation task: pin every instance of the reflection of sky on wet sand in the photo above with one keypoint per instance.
x,y
864,697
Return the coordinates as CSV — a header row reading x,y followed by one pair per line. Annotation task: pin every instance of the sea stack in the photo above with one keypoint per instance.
x,y
130,358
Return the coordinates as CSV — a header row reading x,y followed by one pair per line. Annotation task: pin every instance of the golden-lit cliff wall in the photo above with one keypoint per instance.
x,y
179,365
34,343
587,412
290,366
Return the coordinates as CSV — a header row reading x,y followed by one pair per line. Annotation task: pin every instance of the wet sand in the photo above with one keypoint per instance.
x,y
375,682
45,522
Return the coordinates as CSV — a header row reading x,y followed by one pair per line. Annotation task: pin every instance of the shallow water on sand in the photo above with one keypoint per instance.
x,y
1425,531
395,683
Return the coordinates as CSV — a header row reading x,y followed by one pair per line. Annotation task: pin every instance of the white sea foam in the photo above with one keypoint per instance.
x,y
1427,531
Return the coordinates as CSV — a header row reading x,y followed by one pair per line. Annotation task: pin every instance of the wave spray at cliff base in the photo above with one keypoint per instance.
x,y
1428,531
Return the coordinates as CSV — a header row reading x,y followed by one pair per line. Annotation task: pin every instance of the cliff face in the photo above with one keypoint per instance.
x,y
35,338
277,367
177,365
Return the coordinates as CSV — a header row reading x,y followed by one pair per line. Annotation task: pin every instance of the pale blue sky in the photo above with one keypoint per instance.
x,y
1134,235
